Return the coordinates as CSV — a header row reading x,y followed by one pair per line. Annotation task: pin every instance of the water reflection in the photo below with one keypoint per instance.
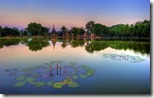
x,y
142,47
50,74
130,58
37,44
8,42
90,45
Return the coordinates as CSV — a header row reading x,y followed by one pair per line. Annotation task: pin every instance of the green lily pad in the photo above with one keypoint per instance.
x,y
83,76
75,77
50,83
89,73
20,78
72,64
48,64
73,84
58,85
19,84
67,81
39,84
30,80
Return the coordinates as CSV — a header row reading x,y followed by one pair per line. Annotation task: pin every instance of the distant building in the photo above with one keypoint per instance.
x,y
54,33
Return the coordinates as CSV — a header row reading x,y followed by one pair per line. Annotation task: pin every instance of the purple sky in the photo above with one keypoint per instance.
x,y
19,13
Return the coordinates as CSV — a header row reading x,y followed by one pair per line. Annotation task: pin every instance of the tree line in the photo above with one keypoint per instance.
x,y
140,29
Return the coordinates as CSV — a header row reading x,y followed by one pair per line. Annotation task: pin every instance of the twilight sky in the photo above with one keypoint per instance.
x,y
19,13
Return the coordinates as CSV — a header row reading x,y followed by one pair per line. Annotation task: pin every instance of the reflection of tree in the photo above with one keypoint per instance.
x,y
1,44
91,46
24,41
96,46
76,43
143,47
8,42
37,44
65,42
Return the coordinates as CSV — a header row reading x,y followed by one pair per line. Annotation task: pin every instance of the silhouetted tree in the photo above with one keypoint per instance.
x,y
75,31
0,31
64,30
100,30
37,29
89,26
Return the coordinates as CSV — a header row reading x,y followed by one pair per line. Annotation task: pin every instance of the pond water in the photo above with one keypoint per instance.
x,y
74,66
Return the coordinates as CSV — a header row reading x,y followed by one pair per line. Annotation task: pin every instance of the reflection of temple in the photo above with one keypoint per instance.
x,y
67,34
92,35
58,70
54,33
54,40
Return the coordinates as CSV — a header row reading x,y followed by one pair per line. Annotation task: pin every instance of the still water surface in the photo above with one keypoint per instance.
x,y
90,66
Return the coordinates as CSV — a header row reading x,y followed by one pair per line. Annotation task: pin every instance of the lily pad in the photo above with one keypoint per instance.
x,y
50,83
83,76
58,85
89,74
30,80
67,81
75,77
72,64
130,58
19,84
20,78
48,64
39,84
73,85
91,71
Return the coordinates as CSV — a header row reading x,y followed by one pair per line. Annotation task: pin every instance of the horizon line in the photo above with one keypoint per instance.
x,y
23,28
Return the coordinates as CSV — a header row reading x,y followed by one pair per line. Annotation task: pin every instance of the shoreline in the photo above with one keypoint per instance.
x,y
147,38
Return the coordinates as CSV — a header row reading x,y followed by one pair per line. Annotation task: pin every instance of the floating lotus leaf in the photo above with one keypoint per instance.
x,y
52,62
40,66
44,71
67,81
39,84
47,64
19,84
20,78
60,62
72,64
91,71
84,67
75,77
30,80
132,59
28,69
89,74
50,83
73,84
58,85
83,76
